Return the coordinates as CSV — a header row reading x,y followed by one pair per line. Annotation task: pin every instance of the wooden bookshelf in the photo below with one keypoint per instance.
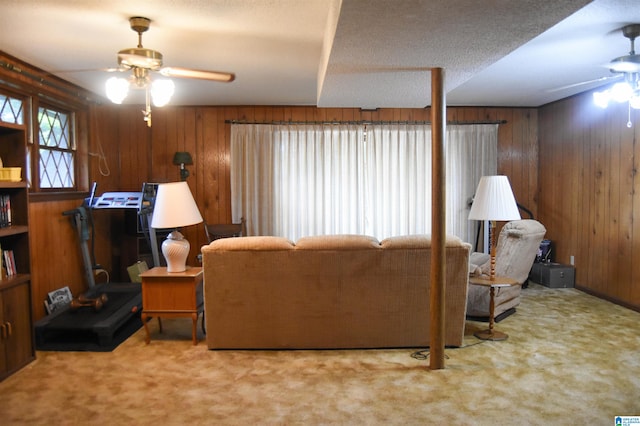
x,y
16,330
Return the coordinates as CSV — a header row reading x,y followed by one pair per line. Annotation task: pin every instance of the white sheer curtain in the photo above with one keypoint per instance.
x,y
318,188
297,180
471,152
399,173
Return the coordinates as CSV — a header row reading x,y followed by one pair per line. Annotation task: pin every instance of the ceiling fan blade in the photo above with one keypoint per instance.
x,y
224,77
80,70
582,83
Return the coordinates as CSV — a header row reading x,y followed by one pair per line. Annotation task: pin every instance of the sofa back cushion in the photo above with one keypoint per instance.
x,y
250,243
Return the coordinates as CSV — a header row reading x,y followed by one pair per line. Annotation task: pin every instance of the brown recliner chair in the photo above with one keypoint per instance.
x,y
215,231
518,244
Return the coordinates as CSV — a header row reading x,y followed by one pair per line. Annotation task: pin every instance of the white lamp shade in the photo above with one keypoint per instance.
x,y
494,200
174,206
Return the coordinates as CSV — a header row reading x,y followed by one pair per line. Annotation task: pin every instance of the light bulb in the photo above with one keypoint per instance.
x,y
601,99
117,89
621,92
161,92
635,101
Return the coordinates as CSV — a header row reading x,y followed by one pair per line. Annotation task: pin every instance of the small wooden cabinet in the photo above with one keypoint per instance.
x,y
16,331
172,294
16,343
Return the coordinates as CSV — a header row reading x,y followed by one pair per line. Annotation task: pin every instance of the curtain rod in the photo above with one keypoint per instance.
x,y
360,122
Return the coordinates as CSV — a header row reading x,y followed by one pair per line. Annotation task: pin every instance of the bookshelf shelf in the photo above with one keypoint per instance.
x,y
13,230
14,280
12,185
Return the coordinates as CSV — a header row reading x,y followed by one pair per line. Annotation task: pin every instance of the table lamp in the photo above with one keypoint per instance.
x,y
175,207
494,201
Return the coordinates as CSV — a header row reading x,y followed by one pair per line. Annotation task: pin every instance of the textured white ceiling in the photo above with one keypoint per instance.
x,y
381,53
332,53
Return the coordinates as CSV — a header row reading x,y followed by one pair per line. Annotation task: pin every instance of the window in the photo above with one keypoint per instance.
x,y
11,110
56,149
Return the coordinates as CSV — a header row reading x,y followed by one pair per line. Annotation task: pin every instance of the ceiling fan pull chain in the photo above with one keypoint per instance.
x,y
629,116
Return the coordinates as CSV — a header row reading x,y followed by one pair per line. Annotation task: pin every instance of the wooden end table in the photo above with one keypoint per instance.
x,y
490,333
171,295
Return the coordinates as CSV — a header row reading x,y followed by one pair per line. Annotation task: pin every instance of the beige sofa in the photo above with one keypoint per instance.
x,y
341,291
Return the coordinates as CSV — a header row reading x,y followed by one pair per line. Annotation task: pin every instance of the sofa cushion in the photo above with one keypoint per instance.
x,y
337,242
251,243
417,241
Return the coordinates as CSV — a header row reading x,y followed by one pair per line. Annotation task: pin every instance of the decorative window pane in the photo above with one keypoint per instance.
x,y
11,110
56,169
57,150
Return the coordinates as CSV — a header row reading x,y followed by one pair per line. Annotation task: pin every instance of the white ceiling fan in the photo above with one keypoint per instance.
x,y
142,62
627,66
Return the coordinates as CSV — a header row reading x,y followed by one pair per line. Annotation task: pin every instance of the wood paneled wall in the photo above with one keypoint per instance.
x,y
589,198
138,154
56,260
124,153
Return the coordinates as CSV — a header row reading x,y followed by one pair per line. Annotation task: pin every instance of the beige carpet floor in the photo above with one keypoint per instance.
x,y
570,359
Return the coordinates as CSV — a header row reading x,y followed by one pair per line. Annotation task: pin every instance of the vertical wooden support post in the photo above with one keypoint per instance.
x,y
438,219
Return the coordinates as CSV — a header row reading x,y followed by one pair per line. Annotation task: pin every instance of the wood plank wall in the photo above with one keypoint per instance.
x,y
124,153
589,195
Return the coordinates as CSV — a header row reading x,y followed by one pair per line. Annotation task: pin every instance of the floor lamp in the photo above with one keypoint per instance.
x,y
175,207
494,201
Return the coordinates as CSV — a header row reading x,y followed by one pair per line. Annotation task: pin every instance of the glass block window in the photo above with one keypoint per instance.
x,y
11,110
56,149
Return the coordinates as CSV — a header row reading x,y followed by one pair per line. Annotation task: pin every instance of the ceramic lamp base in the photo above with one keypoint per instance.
x,y
176,250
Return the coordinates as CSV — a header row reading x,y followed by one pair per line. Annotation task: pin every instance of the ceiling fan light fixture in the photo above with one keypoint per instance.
x,y
141,62
627,66
117,89
161,92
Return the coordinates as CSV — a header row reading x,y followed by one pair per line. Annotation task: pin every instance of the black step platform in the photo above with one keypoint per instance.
x,y
88,330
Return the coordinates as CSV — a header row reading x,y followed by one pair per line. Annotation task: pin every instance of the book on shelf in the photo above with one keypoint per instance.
x,y
10,262
5,210
3,267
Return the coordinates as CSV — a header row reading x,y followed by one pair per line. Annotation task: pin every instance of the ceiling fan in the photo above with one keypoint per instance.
x,y
628,63
627,66
621,67
142,62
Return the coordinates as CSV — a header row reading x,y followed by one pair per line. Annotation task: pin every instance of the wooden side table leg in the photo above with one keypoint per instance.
x,y
194,328
491,334
160,324
144,319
